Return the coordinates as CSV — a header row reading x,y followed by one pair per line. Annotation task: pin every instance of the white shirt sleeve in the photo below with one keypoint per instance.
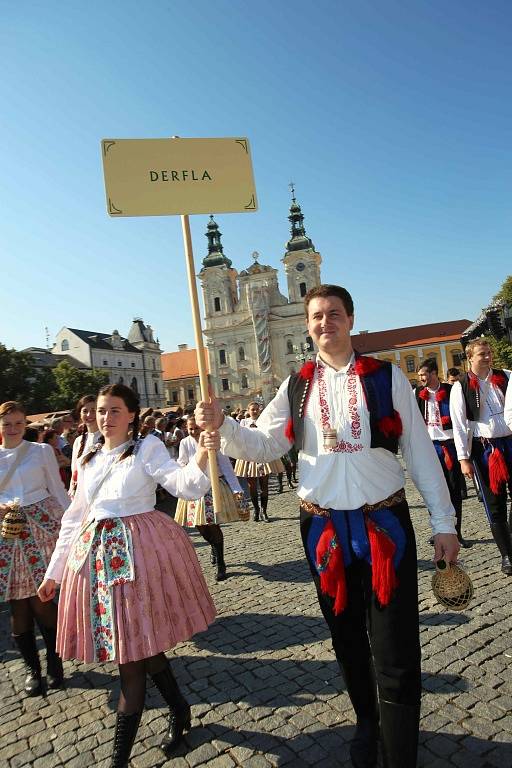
x,y
421,458
508,405
460,421
268,441
187,482
69,528
53,479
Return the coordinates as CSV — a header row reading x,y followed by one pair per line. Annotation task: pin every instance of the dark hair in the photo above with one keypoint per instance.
x,y
31,434
48,435
131,401
83,429
322,291
430,364
453,372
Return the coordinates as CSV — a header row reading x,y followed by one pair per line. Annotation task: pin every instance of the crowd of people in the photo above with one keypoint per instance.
x,y
77,508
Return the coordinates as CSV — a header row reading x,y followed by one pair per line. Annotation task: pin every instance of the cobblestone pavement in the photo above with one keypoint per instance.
x,y
263,684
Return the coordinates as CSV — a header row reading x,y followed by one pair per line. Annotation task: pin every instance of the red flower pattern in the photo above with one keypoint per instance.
x,y
99,609
116,563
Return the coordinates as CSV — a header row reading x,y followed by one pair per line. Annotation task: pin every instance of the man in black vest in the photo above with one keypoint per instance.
x,y
347,416
483,439
433,399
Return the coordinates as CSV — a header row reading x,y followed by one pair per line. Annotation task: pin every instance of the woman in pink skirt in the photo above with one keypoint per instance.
x,y
131,584
29,474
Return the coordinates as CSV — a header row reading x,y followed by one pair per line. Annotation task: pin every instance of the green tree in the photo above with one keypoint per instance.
x,y
505,292
501,352
71,383
21,380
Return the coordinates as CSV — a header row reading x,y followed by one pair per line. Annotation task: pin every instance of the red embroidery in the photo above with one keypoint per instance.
x,y
102,654
99,609
116,563
33,560
342,446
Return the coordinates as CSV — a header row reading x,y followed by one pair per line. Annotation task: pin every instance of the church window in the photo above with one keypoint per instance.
x,y
244,384
156,388
410,364
190,393
457,359
216,304
64,345
222,356
289,347
225,385
303,289
154,364
105,362
134,385
133,365
120,363
309,342
241,353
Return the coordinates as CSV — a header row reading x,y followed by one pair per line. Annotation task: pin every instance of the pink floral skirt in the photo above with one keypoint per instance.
x,y
166,603
24,560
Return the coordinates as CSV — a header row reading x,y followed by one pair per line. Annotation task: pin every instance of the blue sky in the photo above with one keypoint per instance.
x,y
392,118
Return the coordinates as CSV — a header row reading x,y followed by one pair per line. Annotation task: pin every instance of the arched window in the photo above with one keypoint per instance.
x,y
120,380
64,345
303,289
289,347
154,364
222,356
244,383
156,388
134,385
216,304
241,353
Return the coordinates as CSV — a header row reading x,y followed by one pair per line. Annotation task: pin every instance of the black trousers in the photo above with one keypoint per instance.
x,y
376,644
453,475
496,504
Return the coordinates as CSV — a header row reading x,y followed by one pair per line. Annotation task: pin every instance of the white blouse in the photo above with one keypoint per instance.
x,y
188,448
492,415
356,473
91,439
35,478
129,489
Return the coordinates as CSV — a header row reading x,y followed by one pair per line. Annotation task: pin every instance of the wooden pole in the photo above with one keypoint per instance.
x,y
198,334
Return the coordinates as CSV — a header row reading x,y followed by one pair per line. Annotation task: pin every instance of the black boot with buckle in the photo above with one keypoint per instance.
x,y
179,709
26,644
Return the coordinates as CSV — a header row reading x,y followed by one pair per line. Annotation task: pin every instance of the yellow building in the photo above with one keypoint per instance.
x,y
409,347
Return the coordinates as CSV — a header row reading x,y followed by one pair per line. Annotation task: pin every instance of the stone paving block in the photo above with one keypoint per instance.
x,y
201,755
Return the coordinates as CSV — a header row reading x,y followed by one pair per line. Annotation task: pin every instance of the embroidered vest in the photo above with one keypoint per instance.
x,y
376,381
470,395
442,397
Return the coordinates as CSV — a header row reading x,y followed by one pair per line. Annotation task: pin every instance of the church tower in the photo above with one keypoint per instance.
x,y
218,278
301,260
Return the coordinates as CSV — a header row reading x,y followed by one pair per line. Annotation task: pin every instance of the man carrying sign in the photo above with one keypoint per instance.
x,y
347,415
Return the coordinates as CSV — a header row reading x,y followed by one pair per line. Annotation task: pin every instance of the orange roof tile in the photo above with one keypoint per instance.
x,y
429,333
182,364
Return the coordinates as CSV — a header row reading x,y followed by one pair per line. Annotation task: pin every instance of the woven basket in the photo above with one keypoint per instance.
x,y
242,507
452,586
13,522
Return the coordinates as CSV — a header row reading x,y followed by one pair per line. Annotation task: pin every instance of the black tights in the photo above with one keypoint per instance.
x,y
253,490
23,613
133,682
211,533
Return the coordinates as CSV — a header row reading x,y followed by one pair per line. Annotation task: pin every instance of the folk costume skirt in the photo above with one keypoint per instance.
x,y
258,469
139,591
201,512
24,560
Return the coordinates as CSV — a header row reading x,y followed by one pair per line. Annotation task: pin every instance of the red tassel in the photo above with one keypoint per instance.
x,y
498,471
382,548
440,395
366,365
446,421
448,461
288,430
332,577
391,426
307,371
498,380
424,394
473,382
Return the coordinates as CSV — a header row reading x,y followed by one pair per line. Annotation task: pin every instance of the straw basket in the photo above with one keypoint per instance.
x,y
452,586
13,522
242,507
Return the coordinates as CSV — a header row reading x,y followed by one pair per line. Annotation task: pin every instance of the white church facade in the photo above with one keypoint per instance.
x,y
254,334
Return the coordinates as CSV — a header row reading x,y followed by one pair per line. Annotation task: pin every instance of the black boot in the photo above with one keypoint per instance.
x,y
280,481
126,730
54,668
458,526
264,502
501,534
256,516
179,709
363,747
26,643
213,555
221,565
399,729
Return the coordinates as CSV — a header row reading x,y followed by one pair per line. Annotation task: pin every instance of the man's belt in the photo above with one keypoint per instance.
x,y
392,501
